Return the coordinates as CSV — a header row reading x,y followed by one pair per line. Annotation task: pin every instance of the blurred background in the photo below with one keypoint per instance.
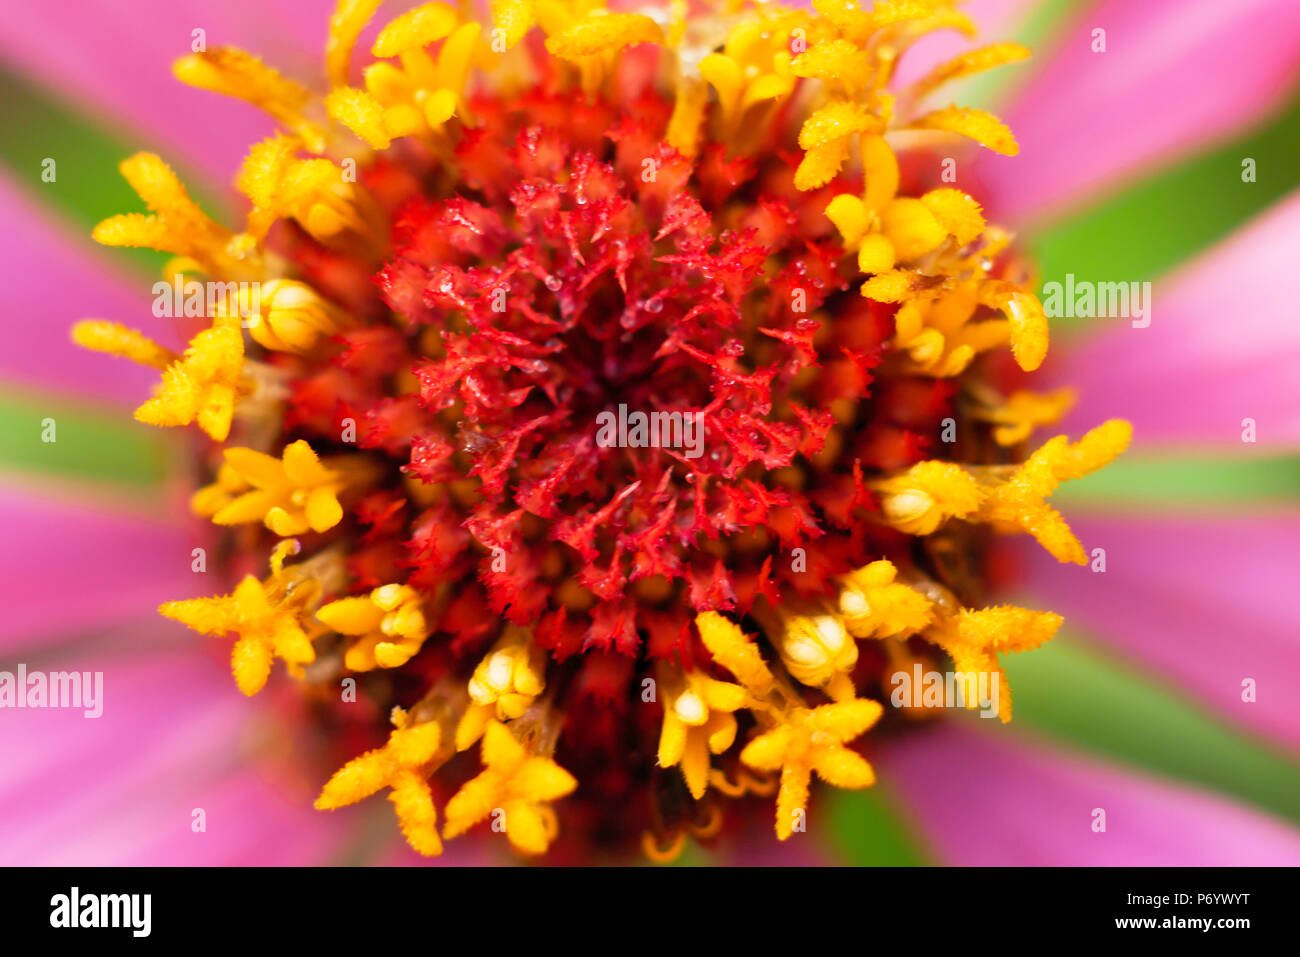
x,y
1133,168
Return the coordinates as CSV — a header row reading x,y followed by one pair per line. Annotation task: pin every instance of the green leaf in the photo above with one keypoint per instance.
x,y
90,446
868,830
1178,480
88,186
1147,229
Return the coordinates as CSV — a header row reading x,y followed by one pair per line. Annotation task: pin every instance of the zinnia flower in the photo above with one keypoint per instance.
x,y
616,402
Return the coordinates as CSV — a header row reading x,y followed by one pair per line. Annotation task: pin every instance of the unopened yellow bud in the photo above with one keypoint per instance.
x,y
928,494
874,605
816,648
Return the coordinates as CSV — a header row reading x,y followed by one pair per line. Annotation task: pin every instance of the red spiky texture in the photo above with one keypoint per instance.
x,y
570,264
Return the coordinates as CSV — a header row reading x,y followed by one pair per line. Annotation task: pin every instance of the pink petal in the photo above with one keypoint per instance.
x,y
55,276
121,789
251,819
1176,76
986,799
162,703
67,567
1223,346
1204,602
118,64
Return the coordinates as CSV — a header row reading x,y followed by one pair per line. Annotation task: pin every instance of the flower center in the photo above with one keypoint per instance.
x,y
564,383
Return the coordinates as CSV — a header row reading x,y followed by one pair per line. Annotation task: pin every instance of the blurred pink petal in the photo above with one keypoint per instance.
x,y
1176,76
117,63
68,567
250,819
45,744
1204,602
997,21
984,799
1223,346
54,277
122,788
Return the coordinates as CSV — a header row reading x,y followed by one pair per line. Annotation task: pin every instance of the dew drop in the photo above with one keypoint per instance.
x,y
473,443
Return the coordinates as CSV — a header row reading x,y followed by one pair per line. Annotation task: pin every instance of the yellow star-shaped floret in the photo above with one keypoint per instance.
x,y
932,325
271,618
212,498
875,605
974,639
200,386
290,494
925,496
937,334
1023,411
175,223
388,624
798,740
504,683
697,721
854,62
314,192
886,230
812,739
1019,499
420,95
403,766
753,67
516,784
233,72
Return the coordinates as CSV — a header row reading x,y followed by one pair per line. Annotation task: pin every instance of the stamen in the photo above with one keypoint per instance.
x,y
659,854
516,782
403,766
270,618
